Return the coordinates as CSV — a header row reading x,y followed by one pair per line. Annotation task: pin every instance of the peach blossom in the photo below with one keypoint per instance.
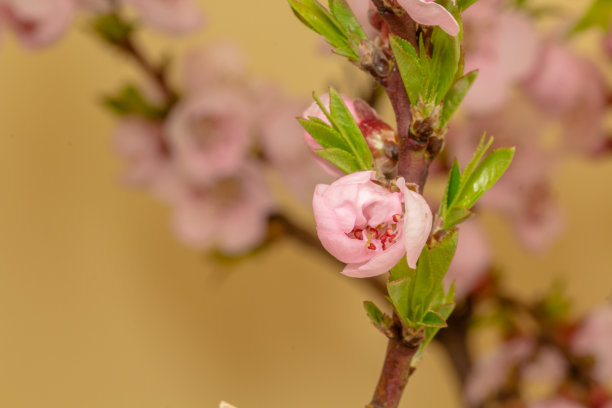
x,y
37,23
428,12
368,227
172,16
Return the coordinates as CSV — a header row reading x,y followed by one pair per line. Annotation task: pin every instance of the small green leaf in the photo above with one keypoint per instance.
x,y
318,19
401,270
409,65
434,319
378,318
455,96
456,215
399,293
464,4
324,134
112,29
599,14
130,101
485,175
343,14
481,149
452,188
444,63
417,290
342,159
345,123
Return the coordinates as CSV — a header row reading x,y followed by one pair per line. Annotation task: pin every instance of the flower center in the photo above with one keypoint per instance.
x,y
380,236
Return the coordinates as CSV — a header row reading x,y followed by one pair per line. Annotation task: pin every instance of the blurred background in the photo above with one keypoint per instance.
x,y
100,306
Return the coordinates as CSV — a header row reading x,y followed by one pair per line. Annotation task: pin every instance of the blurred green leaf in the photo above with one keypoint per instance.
x,y
112,28
130,101
599,14
464,4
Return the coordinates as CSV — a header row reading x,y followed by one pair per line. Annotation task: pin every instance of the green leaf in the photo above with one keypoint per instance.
x,y
401,270
112,29
324,134
318,19
455,96
342,159
409,65
443,65
344,122
400,292
481,149
485,175
434,319
464,4
130,101
343,14
456,215
599,14
431,269
378,318
452,188
414,294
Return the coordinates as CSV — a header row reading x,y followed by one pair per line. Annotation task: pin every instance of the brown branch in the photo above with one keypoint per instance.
x,y
402,346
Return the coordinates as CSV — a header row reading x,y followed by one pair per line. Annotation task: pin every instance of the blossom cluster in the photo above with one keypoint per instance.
x,y
38,23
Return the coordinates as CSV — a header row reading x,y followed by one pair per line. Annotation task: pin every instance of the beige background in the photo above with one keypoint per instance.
x,y
101,307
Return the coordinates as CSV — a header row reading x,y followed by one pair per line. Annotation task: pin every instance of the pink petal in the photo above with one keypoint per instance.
x,y
379,264
417,222
431,14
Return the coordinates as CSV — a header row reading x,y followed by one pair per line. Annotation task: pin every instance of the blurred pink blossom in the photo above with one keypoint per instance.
x,y
229,214
208,134
98,6
172,16
558,402
579,103
594,338
281,138
37,23
360,223
472,259
219,65
428,12
140,143
549,368
503,46
491,372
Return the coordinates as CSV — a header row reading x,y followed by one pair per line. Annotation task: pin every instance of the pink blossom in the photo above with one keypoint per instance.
x,y
558,402
359,222
98,6
208,134
229,214
37,23
472,259
219,65
594,338
140,143
172,16
504,47
427,12
491,372
548,369
608,43
580,104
